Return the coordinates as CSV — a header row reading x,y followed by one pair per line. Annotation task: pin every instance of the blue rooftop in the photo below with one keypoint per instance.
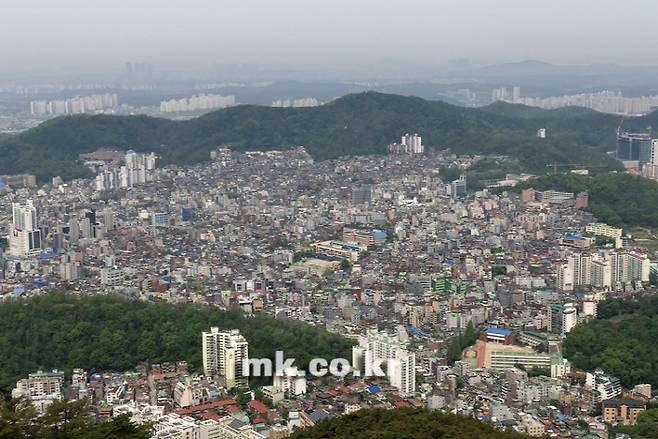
x,y
379,234
414,329
574,238
498,331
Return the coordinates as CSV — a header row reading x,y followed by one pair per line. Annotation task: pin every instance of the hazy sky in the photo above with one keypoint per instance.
x,y
98,35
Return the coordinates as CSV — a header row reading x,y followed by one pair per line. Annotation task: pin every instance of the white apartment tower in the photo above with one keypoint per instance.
x,y
400,362
605,386
627,267
24,234
224,353
602,270
413,143
291,382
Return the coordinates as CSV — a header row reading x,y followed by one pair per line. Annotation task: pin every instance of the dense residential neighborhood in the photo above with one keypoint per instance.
x,y
471,292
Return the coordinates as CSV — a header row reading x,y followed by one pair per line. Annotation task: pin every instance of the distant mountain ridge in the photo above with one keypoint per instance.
x,y
356,124
535,67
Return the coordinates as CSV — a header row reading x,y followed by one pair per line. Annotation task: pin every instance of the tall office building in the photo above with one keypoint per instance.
x,y
399,361
653,159
650,169
224,353
24,234
634,147
457,188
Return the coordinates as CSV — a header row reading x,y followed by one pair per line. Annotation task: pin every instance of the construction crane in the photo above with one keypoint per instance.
x,y
556,165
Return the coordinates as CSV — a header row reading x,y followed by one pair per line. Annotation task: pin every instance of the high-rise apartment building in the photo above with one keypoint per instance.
x,y
69,268
562,318
603,386
291,382
196,103
24,232
409,144
602,270
516,94
224,353
399,361
41,388
629,267
76,105
137,169
580,264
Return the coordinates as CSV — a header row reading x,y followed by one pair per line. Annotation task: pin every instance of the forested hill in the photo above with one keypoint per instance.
x,y
355,124
402,424
621,341
110,333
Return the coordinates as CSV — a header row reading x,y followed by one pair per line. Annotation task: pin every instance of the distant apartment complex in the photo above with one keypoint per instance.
x,y
605,101
409,144
77,105
18,181
602,270
296,103
136,170
196,103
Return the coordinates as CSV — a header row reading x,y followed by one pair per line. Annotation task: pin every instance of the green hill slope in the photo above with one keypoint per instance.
x,y
356,124
110,333
402,424
631,357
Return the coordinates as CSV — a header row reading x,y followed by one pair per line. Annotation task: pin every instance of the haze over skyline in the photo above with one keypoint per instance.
x,y
78,36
